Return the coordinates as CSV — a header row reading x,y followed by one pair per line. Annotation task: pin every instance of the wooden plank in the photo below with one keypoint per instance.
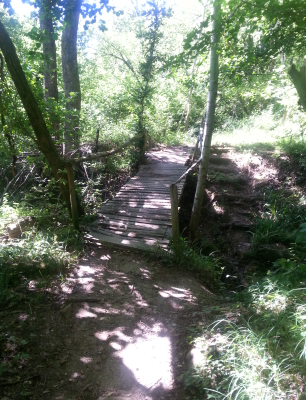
x,y
165,218
158,188
138,213
136,220
150,181
133,225
119,205
147,190
150,185
142,196
132,233
107,232
123,242
137,202
129,225
163,178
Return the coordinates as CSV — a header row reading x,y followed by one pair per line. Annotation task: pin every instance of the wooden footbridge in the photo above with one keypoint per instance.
x,y
139,216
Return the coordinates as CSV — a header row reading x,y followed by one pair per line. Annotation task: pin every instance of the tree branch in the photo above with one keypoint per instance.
x,y
104,153
127,63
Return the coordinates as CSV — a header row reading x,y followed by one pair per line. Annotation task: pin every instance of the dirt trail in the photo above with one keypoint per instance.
x,y
131,343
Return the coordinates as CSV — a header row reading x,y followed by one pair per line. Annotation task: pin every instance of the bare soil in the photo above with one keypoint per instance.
x,y
117,328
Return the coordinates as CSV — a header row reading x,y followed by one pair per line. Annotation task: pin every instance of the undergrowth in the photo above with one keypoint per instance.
x,y
257,349
281,217
260,353
47,248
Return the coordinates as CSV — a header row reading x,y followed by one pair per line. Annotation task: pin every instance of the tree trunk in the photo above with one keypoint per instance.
x,y
71,75
7,133
191,78
299,81
50,65
209,124
36,119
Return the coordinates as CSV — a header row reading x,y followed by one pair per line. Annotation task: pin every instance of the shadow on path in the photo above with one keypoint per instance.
x,y
129,339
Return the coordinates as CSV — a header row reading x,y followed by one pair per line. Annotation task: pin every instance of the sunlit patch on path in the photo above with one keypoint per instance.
x,y
149,358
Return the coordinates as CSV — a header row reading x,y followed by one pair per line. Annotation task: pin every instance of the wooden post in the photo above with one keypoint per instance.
x,y
174,214
73,203
150,142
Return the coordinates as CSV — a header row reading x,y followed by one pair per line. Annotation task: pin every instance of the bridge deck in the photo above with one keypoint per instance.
x,y
140,214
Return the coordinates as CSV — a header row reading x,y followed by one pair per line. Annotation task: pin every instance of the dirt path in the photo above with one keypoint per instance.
x,y
128,340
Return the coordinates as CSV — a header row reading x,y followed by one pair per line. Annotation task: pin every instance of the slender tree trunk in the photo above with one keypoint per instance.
x,y
36,119
71,75
209,124
191,79
50,64
7,133
299,81
49,50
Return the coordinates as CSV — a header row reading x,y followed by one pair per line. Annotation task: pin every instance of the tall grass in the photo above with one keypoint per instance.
x,y
261,355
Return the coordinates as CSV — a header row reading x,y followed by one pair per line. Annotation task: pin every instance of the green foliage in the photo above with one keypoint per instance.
x,y
33,257
294,148
48,248
281,217
262,354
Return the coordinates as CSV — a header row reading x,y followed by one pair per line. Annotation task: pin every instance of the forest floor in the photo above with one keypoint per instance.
x,y
120,324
